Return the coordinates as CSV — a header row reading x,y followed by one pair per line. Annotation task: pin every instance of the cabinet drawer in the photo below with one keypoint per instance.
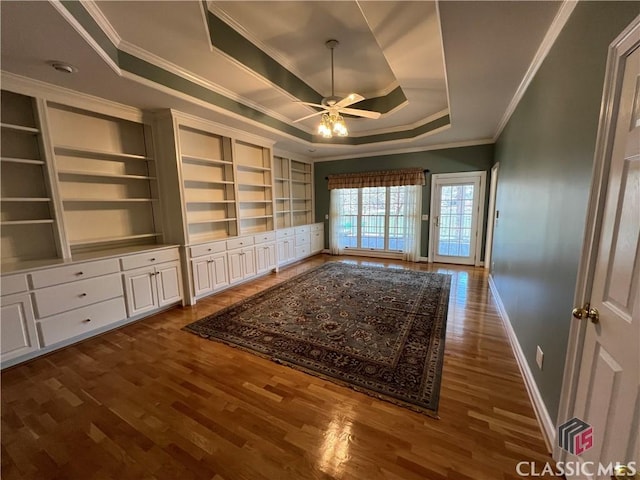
x,y
208,249
62,298
317,227
80,321
303,240
13,284
301,230
149,258
302,251
71,273
239,242
287,232
265,237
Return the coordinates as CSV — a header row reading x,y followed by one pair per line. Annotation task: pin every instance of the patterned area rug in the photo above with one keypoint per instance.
x,y
380,331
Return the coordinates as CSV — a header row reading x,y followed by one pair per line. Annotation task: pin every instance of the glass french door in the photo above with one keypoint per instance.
x,y
455,219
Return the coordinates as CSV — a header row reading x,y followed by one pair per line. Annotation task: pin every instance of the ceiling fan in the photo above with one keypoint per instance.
x,y
333,106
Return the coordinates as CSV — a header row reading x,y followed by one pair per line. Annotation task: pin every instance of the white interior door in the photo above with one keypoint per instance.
x,y
456,211
608,388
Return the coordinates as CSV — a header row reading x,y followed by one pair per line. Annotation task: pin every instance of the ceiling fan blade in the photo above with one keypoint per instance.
x,y
308,116
314,105
360,113
349,100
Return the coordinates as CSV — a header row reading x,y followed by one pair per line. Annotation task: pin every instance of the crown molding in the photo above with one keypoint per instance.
x,y
402,128
77,26
102,21
164,64
55,94
399,151
558,23
199,123
226,18
444,61
292,156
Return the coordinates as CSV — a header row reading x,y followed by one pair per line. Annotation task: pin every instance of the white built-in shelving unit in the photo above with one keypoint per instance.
x,y
282,186
255,187
106,178
294,192
208,185
28,215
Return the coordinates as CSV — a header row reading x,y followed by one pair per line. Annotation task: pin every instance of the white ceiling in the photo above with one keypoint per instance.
x,y
485,48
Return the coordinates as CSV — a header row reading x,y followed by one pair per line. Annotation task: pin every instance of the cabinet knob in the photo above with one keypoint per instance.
x,y
152,259
86,320
80,273
83,294
209,249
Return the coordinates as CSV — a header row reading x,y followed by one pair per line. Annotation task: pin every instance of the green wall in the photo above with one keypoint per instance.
x,y
546,156
463,159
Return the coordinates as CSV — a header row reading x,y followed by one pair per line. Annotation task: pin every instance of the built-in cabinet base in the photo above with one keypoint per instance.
x,y
50,307
216,266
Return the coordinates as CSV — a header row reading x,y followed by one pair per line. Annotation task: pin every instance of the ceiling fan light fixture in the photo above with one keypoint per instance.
x,y
338,127
324,129
331,125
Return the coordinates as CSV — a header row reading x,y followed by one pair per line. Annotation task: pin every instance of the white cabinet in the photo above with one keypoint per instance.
x,y
50,307
150,288
317,238
302,241
286,251
265,257
81,321
210,273
168,283
17,327
140,291
242,264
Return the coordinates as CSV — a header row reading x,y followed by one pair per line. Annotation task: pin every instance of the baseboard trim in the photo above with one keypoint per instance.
x,y
542,414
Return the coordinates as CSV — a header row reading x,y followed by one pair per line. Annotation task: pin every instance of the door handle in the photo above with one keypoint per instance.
x,y
437,220
624,472
586,312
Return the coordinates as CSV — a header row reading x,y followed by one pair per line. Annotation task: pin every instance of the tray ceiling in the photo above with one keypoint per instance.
x,y
440,74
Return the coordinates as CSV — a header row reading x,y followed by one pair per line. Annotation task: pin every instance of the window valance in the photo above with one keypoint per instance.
x,y
383,178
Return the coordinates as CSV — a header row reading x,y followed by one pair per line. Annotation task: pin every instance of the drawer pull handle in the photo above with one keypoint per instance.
x,y
86,320
83,294
152,259
80,273
209,249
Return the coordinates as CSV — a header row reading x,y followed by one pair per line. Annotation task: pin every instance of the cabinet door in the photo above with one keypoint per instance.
x,y
261,258
249,262
235,266
317,241
203,281
167,277
17,327
140,290
285,251
270,250
219,271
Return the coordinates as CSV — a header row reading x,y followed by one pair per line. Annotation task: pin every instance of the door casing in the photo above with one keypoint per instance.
x,y
482,175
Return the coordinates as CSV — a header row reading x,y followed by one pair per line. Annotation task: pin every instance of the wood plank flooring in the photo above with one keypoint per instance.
x,y
149,401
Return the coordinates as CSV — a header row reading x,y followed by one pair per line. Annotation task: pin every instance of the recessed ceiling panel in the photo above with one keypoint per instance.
x,y
294,34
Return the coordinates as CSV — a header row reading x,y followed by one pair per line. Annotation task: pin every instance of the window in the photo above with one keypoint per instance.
x,y
373,218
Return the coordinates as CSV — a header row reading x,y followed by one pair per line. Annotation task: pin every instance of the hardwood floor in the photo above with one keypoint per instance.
x,y
149,401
